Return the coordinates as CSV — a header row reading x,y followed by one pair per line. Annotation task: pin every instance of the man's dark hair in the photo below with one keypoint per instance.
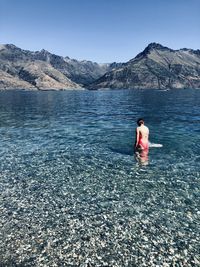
x,y
140,121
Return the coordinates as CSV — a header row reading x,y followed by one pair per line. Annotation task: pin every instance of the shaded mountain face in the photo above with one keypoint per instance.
x,y
157,67
42,70
81,72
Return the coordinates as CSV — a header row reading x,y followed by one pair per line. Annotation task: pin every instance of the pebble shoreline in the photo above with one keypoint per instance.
x,y
64,214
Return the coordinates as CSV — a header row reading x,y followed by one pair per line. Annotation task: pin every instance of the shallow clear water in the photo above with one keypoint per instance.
x,y
72,193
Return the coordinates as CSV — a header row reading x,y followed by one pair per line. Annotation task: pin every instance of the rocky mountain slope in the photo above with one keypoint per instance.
x,y
156,67
42,70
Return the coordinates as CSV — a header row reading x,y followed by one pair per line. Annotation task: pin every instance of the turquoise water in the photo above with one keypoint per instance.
x,y
72,192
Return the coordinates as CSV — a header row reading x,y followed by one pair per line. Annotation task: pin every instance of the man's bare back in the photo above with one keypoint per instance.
x,y
142,136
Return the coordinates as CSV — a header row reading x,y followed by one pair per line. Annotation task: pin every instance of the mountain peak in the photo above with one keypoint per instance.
x,y
43,51
150,47
156,46
11,46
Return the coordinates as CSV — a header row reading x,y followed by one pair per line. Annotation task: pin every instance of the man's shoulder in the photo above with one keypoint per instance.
x,y
144,128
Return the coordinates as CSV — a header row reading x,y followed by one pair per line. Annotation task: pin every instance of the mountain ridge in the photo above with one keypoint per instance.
x,y
44,70
156,67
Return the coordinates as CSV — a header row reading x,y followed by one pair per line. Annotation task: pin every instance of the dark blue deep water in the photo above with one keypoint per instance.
x,y
72,192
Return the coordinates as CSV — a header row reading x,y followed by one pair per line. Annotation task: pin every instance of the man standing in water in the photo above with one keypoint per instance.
x,y
142,141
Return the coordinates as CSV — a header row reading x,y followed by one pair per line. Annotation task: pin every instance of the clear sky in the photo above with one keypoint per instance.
x,y
99,30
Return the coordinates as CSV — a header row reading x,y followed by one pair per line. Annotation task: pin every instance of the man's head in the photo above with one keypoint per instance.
x,y
140,121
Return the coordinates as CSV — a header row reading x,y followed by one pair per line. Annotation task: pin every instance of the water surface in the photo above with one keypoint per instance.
x,y
72,193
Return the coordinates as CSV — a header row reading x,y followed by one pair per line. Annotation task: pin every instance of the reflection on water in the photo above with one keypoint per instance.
x,y
142,156
72,192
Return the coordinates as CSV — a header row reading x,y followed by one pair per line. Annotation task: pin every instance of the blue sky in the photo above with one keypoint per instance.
x,y
99,30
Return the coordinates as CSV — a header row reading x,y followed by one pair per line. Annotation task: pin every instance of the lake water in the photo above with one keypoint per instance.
x,y
72,192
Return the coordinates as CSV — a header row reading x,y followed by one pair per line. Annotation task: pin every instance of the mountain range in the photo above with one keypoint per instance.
x,y
156,67
42,70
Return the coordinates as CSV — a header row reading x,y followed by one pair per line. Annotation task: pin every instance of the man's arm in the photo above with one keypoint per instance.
x,y
136,137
